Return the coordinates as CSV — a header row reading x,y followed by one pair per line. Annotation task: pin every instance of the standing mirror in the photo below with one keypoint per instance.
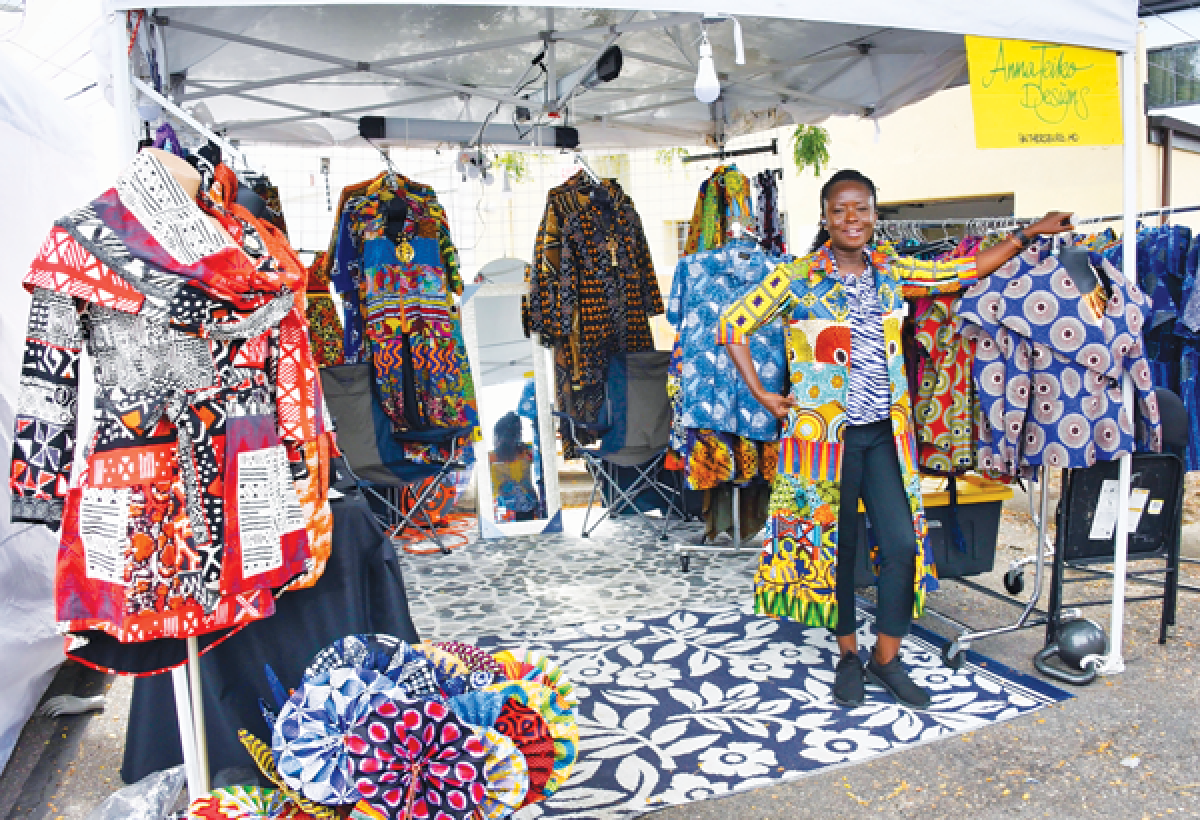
x,y
516,476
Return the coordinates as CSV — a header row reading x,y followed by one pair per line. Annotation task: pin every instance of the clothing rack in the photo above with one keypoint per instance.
x,y
995,224
773,148
1168,211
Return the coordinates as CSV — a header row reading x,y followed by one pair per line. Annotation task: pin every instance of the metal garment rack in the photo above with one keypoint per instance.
x,y
1000,223
954,654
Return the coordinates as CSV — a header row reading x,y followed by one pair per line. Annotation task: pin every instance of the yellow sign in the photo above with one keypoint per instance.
x,y
1026,94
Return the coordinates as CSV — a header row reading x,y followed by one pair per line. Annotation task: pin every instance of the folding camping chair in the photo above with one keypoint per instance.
x,y
633,432
374,453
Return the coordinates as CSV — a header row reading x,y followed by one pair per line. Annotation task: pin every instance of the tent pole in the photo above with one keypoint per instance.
x,y
187,740
200,737
123,101
123,104
1114,663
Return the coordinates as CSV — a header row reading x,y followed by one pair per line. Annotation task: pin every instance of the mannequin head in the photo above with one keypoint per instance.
x,y
187,176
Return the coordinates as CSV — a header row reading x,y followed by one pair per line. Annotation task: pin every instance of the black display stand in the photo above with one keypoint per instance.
x,y
361,591
1156,536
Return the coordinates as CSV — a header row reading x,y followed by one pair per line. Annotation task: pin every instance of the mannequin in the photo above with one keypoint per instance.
x,y
189,180
1078,264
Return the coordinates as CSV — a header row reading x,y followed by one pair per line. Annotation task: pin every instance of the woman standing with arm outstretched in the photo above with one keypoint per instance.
x,y
848,430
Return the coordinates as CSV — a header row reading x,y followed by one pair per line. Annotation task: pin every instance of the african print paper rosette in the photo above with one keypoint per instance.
x,y
310,734
475,658
379,653
531,734
417,761
506,776
424,732
535,666
562,722
244,803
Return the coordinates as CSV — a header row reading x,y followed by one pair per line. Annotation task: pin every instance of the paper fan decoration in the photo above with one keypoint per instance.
x,y
416,760
445,662
536,666
505,775
261,753
475,658
365,811
377,652
417,679
563,726
310,733
531,734
478,708
244,803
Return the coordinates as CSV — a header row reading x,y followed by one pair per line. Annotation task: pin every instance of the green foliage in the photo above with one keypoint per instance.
x,y
516,163
667,156
810,147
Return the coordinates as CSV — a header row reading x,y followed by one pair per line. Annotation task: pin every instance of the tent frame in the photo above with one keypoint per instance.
x,y
388,67
187,684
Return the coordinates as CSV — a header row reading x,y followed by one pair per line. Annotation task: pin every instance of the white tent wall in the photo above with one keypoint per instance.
x,y
47,170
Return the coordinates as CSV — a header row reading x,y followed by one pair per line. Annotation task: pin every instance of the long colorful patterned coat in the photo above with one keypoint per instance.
x,y
798,568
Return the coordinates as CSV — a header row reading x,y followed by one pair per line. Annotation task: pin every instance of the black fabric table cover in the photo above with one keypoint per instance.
x,y
361,591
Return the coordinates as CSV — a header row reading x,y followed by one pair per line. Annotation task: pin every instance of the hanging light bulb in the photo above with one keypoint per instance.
x,y
506,186
708,87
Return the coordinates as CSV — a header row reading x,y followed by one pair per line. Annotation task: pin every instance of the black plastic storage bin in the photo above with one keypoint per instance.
x,y
980,503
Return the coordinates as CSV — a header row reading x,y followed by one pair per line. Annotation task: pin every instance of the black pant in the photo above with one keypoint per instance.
x,y
871,470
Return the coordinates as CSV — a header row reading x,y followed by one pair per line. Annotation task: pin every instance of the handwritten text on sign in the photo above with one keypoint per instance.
x,y
1026,93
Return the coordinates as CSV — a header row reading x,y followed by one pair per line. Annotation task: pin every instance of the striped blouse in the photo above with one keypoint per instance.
x,y
868,398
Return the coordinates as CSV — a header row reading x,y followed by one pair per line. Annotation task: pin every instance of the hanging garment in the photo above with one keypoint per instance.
x,y
328,268
297,388
770,226
186,514
400,287
1049,380
946,406
724,197
592,290
324,324
713,395
798,569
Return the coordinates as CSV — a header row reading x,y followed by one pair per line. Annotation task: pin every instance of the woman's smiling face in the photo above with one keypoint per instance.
x,y
850,215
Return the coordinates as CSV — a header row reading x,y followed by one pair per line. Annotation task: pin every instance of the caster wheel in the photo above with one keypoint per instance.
x,y
955,661
1014,581
685,562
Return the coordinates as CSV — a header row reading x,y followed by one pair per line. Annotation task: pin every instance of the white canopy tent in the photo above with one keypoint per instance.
x,y
305,72
302,72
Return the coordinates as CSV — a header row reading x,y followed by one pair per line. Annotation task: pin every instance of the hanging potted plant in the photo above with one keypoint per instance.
x,y
810,147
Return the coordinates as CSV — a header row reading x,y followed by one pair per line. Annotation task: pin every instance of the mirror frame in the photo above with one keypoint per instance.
x,y
547,434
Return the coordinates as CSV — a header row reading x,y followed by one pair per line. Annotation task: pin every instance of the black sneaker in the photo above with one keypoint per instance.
x,y
893,677
849,686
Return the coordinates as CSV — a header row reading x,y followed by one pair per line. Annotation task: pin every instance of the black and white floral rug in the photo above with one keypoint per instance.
x,y
705,702
684,693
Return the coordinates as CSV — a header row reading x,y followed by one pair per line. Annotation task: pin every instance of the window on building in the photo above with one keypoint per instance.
x,y
680,234
1174,76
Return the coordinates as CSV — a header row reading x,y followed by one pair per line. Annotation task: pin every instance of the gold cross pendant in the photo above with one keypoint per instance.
x,y
612,251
